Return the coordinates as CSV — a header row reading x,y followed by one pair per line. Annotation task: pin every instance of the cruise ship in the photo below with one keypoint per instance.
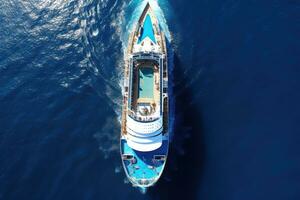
x,y
144,128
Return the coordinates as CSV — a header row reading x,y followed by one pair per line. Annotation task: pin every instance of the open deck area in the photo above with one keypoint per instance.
x,y
145,90
144,165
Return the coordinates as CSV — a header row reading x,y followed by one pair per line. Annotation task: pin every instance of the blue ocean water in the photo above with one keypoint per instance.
x,y
236,99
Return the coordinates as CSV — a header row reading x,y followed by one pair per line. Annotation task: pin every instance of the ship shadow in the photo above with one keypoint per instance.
x,y
183,171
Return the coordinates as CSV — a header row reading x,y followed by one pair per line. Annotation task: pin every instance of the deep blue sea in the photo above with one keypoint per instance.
x,y
236,102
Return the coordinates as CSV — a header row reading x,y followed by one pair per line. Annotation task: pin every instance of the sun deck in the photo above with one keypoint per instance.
x,y
146,90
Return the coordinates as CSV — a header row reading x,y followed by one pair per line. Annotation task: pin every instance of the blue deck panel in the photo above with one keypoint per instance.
x,y
144,160
147,30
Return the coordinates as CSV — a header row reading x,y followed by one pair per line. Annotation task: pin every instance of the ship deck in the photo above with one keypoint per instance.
x,y
144,166
145,88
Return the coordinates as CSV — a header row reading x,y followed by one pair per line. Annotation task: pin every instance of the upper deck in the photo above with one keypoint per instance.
x,y
145,76
145,96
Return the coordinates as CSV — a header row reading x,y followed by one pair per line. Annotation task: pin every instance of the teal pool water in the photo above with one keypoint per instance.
x,y
147,30
146,82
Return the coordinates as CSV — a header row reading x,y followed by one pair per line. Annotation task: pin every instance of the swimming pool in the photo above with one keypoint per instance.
x,y
146,82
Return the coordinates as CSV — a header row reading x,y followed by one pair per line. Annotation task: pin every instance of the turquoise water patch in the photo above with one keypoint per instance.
x,y
147,30
146,82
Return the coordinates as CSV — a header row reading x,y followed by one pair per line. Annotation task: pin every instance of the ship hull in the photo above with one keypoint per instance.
x,y
144,141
